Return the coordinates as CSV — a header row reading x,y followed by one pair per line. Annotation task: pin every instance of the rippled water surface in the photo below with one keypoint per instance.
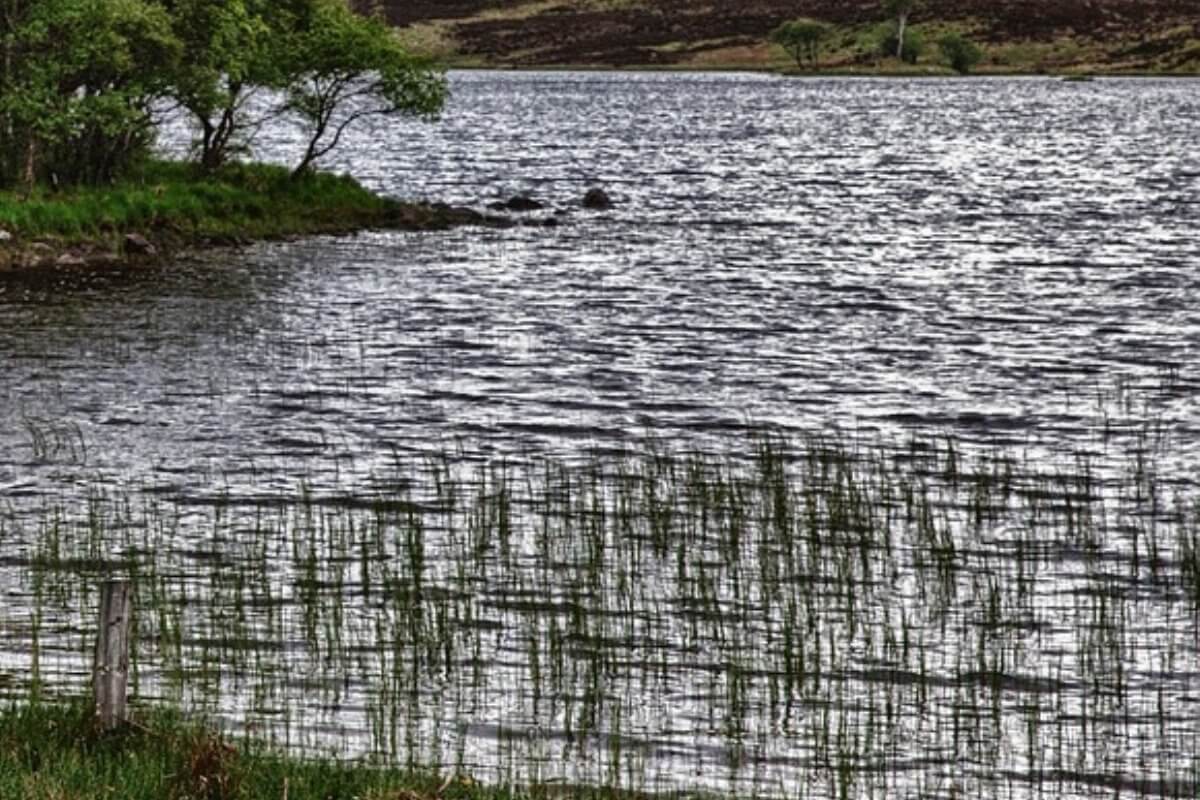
x,y
1008,265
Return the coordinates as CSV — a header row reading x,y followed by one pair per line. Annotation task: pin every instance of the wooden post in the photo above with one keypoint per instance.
x,y
110,671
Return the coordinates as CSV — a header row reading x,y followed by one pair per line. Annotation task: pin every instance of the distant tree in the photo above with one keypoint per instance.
x,y
801,38
910,49
344,67
901,10
961,53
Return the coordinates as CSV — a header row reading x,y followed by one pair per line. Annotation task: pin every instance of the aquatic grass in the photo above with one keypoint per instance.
x,y
827,607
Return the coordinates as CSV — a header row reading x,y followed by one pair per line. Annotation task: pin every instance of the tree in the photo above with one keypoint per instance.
x,y
77,85
901,10
801,38
343,68
230,54
80,79
910,48
960,52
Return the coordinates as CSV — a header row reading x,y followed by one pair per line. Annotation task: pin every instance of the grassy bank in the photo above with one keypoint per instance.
x,y
172,205
54,752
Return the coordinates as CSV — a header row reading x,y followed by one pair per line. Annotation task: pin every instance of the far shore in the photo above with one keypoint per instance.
x,y
1100,37
921,71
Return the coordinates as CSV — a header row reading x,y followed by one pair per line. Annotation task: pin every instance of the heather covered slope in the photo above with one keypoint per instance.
x,y
1018,35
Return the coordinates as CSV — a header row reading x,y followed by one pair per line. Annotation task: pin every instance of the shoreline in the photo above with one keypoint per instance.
x,y
126,249
170,210
832,72
791,72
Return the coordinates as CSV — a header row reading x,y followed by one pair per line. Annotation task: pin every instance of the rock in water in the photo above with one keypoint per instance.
x,y
597,200
519,203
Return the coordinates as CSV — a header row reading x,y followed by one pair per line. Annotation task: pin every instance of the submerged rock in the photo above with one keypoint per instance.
x,y
520,203
439,216
597,199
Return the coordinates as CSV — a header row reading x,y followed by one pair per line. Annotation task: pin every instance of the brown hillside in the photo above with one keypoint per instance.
x,y
647,32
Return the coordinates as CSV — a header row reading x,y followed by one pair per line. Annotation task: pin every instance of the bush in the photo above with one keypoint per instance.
x,y
961,53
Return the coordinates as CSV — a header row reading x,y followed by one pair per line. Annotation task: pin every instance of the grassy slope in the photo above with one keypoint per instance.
x,y
1155,36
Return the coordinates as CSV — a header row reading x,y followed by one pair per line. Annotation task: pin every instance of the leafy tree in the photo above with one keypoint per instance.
x,y
80,79
901,10
77,85
801,38
960,52
343,68
229,56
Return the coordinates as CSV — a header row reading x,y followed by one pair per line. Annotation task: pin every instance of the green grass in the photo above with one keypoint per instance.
x,y
53,751
175,202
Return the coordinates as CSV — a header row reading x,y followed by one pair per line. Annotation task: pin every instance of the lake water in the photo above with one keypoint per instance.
x,y
1009,265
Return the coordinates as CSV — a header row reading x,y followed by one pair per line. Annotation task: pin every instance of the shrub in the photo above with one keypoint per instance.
x,y
961,53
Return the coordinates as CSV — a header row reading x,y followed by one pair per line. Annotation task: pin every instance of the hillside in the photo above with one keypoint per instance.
x,y
1017,35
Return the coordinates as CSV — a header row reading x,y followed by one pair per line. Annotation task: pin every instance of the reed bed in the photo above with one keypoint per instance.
x,y
787,617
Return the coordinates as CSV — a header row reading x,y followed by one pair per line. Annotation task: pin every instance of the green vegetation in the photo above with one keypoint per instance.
x,y
906,42
53,751
77,79
176,205
839,596
80,80
961,53
346,69
802,39
234,202
901,10
83,85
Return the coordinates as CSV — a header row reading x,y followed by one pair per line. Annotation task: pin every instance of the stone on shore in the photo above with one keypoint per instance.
x,y
136,244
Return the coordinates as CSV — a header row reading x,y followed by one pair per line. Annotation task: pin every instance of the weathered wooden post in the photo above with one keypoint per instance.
x,y
110,671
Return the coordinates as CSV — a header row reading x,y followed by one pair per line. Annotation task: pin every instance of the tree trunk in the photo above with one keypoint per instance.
x,y
900,36
29,170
